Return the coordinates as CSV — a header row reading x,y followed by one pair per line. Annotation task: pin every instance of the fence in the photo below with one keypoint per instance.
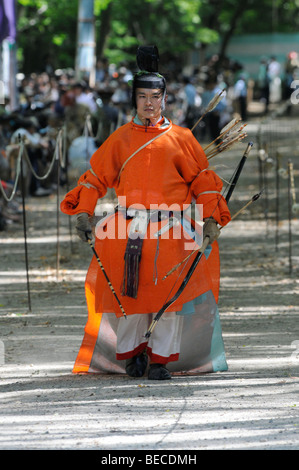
x,y
277,141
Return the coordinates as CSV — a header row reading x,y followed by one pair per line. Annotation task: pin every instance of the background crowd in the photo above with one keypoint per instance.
x,y
54,98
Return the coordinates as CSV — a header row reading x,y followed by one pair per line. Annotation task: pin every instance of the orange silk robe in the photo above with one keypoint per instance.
x,y
171,170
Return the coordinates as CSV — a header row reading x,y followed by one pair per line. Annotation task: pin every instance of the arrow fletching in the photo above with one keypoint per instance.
x,y
215,101
211,105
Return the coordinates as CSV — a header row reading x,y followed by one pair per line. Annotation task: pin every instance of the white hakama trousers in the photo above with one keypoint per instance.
x,y
163,345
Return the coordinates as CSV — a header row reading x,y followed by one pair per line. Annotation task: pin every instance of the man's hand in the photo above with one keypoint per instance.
x,y
83,226
210,230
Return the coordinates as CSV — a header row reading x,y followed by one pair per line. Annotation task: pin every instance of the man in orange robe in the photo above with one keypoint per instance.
x,y
155,167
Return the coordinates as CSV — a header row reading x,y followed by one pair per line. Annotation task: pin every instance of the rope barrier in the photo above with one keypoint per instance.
x,y
23,154
59,157
18,166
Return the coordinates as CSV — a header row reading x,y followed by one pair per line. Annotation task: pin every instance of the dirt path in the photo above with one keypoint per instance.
x,y
254,405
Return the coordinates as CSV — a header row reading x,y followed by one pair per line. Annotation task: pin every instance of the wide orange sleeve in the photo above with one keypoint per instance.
x,y
206,190
205,184
84,197
92,185
108,158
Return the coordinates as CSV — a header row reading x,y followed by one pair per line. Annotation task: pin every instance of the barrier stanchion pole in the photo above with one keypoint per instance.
x,y
278,158
290,173
58,148
25,233
66,163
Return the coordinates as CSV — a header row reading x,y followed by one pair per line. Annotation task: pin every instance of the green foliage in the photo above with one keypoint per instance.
x,y
270,16
46,31
174,25
100,5
49,28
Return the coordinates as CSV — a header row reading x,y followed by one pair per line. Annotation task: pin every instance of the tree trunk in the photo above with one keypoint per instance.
x,y
105,18
227,36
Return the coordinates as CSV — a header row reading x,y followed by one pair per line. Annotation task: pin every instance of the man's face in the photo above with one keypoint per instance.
x,y
149,102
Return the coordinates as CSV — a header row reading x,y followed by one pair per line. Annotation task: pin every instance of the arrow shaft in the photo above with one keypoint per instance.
x,y
106,277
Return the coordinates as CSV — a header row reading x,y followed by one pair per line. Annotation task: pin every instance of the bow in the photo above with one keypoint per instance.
x,y
199,255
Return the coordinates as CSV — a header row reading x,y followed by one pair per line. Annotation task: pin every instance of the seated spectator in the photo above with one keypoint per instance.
x,y
34,145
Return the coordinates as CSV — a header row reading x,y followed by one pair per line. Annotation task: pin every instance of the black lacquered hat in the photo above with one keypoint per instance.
x,y
147,59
